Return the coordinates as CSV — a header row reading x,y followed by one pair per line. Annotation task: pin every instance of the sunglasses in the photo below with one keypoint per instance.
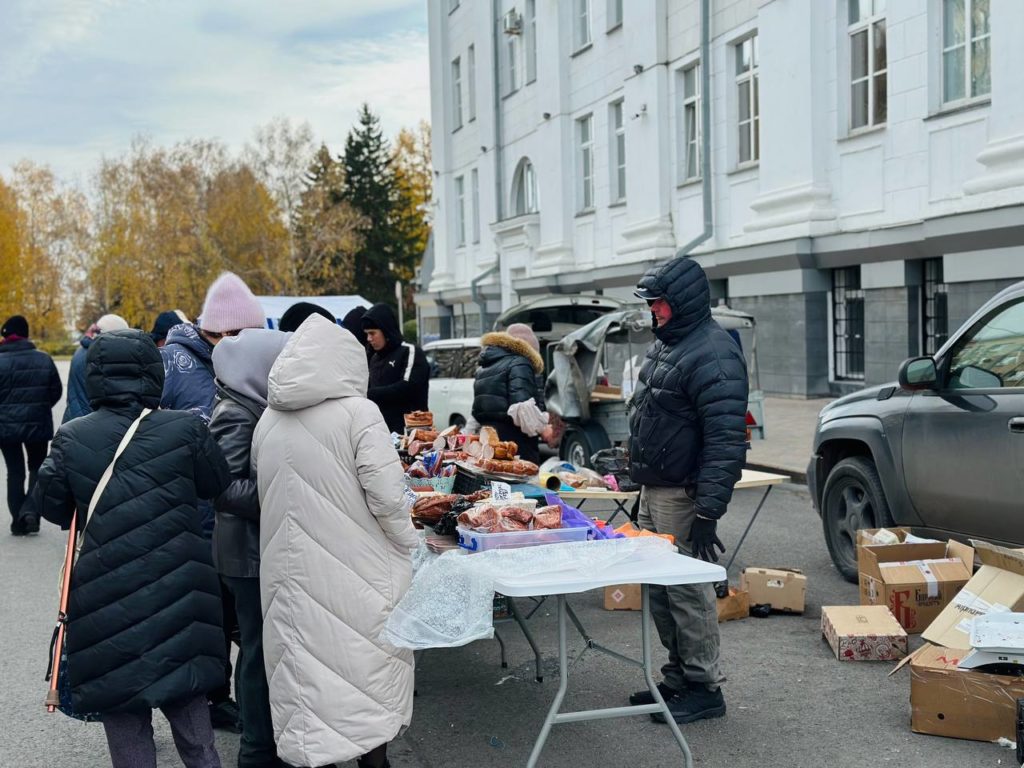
x,y
213,335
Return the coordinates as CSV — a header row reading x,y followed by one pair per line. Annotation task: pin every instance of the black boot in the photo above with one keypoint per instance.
x,y
646,697
696,703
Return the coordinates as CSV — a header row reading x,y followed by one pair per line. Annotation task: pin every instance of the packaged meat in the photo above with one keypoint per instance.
x,y
519,514
484,519
506,524
548,517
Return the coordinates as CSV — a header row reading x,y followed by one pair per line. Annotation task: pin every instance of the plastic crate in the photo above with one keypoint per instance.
x,y
474,541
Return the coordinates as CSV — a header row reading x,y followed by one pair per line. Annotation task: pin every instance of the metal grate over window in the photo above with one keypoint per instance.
x,y
934,308
848,324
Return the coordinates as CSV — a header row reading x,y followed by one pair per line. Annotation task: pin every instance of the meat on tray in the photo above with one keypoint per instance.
x,y
508,524
482,519
431,508
518,514
548,517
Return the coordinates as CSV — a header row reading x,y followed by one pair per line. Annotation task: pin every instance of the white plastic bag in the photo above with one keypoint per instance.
x,y
528,417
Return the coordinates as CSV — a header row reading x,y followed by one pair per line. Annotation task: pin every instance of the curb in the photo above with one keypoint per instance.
x,y
797,477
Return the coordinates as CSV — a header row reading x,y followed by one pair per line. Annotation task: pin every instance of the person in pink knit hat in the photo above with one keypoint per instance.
x,y
189,385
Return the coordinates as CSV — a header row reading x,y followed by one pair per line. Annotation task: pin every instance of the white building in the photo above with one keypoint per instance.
x,y
867,165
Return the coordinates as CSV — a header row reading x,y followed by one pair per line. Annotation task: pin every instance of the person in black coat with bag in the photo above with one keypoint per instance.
x,y
29,388
399,372
687,447
242,366
144,610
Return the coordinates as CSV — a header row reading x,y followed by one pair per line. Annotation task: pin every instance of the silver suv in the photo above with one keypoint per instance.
x,y
941,451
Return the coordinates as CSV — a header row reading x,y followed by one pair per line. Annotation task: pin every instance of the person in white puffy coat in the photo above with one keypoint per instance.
x,y
335,542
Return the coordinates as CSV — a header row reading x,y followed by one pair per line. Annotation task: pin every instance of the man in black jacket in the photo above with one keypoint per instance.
x,y
399,373
29,388
687,449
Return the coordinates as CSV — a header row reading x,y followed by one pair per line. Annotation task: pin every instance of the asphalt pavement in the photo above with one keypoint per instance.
x,y
790,702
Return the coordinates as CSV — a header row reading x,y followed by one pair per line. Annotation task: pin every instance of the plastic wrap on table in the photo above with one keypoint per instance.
x,y
450,601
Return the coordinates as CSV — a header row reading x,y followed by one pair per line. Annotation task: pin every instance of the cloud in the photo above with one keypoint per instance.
x,y
84,84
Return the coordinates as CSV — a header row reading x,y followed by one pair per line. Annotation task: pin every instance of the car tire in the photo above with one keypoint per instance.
x,y
575,448
853,499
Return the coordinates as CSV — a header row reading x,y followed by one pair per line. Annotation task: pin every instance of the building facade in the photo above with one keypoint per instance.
x,y
867,165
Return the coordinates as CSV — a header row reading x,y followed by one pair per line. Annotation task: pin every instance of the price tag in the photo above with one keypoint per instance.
x,y
501,491
410,497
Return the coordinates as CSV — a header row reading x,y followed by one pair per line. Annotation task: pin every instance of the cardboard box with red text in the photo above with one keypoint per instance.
x,y
863,633
915,581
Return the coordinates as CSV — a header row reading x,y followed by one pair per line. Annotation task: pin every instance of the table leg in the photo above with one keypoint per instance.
x,y
753,517
648,664
563,684
620,506
529,637
501,645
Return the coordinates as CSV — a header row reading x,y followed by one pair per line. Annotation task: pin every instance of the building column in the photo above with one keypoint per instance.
x,y
794,99
1003,156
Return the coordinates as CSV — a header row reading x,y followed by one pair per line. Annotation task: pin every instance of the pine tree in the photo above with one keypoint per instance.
x,y
371,190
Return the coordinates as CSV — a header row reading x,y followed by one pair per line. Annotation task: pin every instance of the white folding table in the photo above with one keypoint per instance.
x,y
664,569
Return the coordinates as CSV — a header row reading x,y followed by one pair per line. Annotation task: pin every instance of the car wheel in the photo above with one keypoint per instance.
x,y
575,448
853,499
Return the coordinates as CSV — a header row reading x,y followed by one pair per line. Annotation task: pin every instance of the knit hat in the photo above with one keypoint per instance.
x,y
525,333
15,326
165,321
296,314
109,323
231,306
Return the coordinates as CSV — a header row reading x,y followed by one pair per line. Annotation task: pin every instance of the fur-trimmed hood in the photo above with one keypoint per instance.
x,y
515,346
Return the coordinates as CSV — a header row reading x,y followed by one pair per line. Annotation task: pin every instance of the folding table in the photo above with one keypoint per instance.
x,y
666,568
622,499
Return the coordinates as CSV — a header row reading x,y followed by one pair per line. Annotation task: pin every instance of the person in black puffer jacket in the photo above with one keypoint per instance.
x,y
242,365
399,373
144,612
687,449
29,388
510,367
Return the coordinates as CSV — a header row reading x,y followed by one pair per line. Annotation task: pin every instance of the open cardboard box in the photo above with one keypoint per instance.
x,y
915,581
785,589
865,538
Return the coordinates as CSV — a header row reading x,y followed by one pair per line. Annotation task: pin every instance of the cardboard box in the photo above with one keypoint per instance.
x,y
915,581
962,704
863,633
622,597
998,585
785,589
865,538
735,606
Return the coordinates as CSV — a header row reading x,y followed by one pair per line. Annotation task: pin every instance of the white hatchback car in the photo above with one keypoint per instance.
x,y
453,364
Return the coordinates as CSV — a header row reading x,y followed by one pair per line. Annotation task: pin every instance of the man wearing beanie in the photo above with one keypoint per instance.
x,y
163,324
297,313
78,401
399,373
353,323
189,386
687,448
29,388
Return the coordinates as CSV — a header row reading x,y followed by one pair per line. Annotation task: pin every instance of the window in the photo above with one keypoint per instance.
x,y
614,14
585,154
868,63
581,27
848,323
511,64
525,186
474,182
691,123
749,121
966,54
934,308
617,145
456,94
531,40
460,210
992,353
471,85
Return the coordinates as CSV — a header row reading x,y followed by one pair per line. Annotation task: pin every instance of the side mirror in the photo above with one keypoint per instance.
x,y
918,373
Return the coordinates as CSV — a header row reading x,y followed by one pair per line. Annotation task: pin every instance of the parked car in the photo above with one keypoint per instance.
x,y
453,365
941,450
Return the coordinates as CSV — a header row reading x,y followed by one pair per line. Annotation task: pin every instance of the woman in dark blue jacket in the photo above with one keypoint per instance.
x,y
29,388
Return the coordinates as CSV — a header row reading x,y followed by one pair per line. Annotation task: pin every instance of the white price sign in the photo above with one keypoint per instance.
x,y
501,491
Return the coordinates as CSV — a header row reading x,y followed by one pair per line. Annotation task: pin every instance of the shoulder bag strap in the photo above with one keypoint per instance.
x,y
109,471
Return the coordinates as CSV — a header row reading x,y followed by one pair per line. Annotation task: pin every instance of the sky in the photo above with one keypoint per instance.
x,y
79,79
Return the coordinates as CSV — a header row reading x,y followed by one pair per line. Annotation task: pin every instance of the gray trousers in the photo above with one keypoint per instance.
x,y
130,736
686,615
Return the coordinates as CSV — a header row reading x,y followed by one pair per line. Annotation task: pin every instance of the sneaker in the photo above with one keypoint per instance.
x,y
224,716
698,703
646,697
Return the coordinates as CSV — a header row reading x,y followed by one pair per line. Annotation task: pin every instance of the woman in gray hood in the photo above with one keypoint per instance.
x,y
242,366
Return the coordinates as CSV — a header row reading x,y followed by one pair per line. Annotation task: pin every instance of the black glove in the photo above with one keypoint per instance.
x,y
703,539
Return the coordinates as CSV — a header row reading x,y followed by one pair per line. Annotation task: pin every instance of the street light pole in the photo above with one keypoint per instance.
x,y
401,309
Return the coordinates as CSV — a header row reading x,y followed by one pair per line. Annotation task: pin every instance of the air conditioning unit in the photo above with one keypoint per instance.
x,y
512,23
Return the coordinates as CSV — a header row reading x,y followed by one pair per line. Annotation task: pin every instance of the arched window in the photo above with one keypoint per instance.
x,y
524,189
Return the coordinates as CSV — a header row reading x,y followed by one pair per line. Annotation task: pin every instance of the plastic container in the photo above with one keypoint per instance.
x,y
530,505
474,541
442,484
